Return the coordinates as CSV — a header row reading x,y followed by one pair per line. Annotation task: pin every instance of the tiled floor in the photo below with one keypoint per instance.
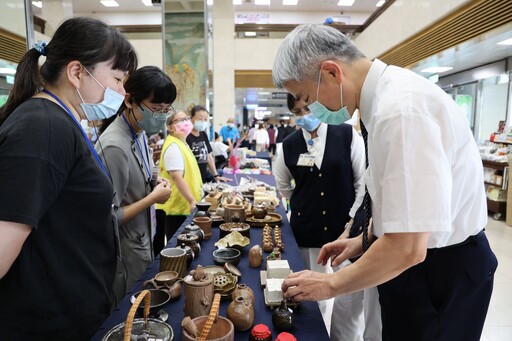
x,y
498,325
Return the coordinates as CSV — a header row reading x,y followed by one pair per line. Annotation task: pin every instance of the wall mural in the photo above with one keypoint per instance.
x,y
185,57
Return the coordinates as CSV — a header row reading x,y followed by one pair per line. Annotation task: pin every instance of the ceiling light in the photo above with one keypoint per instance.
x,y
380,3
250,34
209,2
38,4
109,3
262,2
290,2
147,3
437,69
506,42
237,2
346,2
7,71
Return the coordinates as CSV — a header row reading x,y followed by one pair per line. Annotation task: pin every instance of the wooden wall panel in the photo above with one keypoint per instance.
x,y
12,46
470,21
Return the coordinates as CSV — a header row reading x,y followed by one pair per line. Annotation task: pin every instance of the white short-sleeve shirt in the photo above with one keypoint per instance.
x,y
425,172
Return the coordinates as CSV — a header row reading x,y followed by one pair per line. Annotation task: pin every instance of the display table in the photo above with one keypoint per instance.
x,y
309,323
263,156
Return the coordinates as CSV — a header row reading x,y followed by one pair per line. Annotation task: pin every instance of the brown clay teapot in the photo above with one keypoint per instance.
x,y
259,211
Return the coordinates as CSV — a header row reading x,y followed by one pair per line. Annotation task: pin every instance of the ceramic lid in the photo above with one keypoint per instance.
x,y
232,269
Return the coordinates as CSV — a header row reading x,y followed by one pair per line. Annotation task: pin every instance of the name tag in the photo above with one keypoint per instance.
x,y
306,160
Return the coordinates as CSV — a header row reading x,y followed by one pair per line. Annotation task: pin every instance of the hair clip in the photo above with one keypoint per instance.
x,y
40,46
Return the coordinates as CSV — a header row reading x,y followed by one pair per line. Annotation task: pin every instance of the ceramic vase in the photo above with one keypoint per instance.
x,y
244,291
283,318
241,313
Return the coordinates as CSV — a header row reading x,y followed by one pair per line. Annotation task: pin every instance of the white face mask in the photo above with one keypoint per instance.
x,y
108,107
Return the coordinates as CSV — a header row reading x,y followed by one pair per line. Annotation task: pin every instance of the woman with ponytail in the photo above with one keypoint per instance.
x,y
57,232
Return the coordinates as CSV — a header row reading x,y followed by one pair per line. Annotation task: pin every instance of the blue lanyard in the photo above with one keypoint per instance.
x,y
134,136
93,151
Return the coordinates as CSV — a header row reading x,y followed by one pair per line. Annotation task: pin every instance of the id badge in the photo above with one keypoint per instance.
x,y
306,160
152,210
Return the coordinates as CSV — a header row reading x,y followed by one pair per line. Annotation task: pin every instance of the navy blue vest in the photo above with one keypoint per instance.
x,y
322,198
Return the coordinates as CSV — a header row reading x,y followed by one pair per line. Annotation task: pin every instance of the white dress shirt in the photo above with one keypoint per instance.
x,y
425,172
284,179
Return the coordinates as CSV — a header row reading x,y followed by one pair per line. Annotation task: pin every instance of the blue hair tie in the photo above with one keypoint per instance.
x,y
40,46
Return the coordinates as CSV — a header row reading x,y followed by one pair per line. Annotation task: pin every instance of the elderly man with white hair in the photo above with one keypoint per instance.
x,y
428,253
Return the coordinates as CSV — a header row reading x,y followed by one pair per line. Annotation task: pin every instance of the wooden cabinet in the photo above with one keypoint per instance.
x,y
500,182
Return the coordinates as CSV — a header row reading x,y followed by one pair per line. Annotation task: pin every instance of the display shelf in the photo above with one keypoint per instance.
x,y
499,208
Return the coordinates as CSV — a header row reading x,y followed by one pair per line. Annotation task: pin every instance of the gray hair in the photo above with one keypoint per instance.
x,y
306,47
170,116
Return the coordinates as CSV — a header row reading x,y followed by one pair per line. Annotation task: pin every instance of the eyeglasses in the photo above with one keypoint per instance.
x,y
156,113
184,119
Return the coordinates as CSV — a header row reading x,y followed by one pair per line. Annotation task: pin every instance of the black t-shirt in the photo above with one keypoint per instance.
x,y
201,148
60,285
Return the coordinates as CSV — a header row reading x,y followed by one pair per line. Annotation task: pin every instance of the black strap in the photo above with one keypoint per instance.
x,y
367,202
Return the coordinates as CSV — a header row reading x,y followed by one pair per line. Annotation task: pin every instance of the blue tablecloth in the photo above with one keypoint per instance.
x,y
309,323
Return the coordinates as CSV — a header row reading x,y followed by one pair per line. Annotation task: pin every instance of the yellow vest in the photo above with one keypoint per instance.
x,y
177,204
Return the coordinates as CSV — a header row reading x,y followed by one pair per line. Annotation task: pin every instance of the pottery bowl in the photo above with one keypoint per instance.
x,y
227,255
227,228
159,297
166,277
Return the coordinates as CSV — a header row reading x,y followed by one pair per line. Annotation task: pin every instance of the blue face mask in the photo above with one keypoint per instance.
x,y
201,125
308,122
112,100
325,115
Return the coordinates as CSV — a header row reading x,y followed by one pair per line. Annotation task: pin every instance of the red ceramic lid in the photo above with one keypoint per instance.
x,y
284,336
260,330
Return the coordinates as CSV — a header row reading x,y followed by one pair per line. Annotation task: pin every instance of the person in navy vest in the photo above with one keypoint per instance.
x,y
327,165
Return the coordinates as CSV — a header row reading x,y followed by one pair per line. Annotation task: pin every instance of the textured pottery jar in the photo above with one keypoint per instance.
x,y
259,211
241,313
189,240
198,296
283,318
255,256
205,223
192,228
244,291
190,254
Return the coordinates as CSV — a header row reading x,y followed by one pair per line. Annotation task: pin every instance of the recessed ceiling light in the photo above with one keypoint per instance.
x,y
109,3
380,3
346,2
250,34
237,2
38,4
7,71
290,2
209,2
437,69
147,3
506,42
262,2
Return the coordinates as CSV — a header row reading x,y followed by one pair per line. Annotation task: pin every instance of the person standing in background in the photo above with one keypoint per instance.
x,y
432,261
198,142
57,232
149,95
261,138
178,165
272,135
250,137
229,133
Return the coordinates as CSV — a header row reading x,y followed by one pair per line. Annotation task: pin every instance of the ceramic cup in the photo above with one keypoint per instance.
x,y
174,259
205,223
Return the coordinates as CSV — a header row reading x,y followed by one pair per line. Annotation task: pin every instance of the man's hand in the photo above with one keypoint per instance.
x,y
307,286
340,250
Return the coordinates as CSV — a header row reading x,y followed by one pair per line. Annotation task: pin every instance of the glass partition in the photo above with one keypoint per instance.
x,y
492,105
